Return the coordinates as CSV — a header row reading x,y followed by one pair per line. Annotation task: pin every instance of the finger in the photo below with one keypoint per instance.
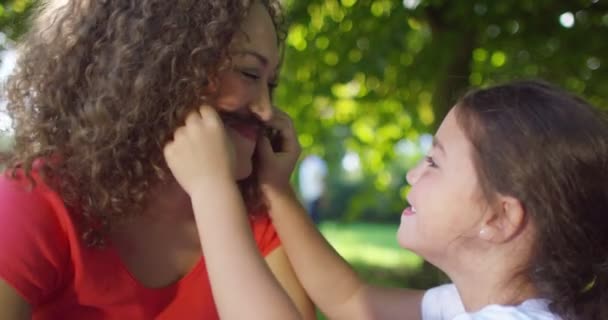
x,y
179,134
192,119
284,125
280,119
209,113
264,149
168,152
289,139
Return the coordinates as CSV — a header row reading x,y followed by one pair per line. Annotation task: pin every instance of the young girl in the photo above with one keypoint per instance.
x,y
511,202
105,232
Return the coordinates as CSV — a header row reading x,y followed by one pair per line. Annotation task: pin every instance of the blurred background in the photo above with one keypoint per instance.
x,y
368,82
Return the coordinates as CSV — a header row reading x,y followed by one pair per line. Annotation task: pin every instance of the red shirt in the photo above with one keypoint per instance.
x,y
43,259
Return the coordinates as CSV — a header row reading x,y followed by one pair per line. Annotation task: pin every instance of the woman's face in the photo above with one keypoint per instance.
x,y
245,90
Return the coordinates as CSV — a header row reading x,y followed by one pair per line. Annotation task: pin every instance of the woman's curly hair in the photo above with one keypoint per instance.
x,y
101,85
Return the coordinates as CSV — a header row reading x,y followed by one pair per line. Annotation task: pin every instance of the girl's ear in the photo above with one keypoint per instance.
x,y
505,223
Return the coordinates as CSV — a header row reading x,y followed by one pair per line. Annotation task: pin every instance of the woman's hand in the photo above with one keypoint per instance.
x,y
201,151
276,167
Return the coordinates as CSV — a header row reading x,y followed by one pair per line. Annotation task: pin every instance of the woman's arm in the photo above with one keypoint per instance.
x,y
12,305
202,160
238,274
283,271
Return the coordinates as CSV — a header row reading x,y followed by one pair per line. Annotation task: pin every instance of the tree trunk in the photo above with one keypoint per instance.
x,y
453,44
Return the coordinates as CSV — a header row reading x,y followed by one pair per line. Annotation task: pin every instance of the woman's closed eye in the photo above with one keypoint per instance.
x,y
254,76
250,75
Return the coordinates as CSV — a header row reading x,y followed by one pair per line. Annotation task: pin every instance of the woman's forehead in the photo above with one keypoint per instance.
x,y
258,35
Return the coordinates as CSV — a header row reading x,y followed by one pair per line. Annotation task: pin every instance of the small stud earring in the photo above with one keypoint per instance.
x,y
484,234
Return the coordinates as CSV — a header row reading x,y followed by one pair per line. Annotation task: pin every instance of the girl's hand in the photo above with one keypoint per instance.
x,y
200,151
276,167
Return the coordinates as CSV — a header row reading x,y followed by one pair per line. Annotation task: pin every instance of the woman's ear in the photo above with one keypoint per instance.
x,y
507,221
213,85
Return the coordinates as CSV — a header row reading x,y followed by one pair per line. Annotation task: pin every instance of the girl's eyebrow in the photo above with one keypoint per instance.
x,y
437,144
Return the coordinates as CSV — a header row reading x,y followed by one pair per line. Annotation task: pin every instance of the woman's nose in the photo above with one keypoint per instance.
x,y
262,106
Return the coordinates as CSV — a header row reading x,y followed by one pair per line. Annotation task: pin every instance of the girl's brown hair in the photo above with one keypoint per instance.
x,y
549,149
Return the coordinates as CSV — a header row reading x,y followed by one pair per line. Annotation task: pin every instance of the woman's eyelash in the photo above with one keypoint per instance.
x,y
253,76
250,75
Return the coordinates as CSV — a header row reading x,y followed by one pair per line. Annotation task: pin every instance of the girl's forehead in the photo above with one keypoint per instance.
x,y
450,133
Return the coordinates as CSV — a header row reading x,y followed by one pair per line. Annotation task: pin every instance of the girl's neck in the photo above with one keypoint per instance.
x,y
492,277
479,292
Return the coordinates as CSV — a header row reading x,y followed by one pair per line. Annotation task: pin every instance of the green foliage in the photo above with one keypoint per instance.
x,y
370,76
362,75
14,17
370,244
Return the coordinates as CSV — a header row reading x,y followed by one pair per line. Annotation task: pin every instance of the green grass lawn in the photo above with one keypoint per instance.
x,y
371,244
373,251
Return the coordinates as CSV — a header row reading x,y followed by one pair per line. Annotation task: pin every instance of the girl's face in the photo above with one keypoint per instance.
x,y
244,91
445,198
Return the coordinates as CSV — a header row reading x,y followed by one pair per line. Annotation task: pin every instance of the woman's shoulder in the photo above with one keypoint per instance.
x,y
20,192
31,211
33,236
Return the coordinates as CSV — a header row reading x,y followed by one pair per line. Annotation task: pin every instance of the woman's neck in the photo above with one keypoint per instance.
x,y
168,202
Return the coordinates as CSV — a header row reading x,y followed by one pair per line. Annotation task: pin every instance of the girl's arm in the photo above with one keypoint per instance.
x,y
330,282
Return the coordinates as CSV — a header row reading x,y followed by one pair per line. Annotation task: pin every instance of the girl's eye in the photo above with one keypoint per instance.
x,y
431,162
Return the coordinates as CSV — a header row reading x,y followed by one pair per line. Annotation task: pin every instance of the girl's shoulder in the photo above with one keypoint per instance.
x,y
533,309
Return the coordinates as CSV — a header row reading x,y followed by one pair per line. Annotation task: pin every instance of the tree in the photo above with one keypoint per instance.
x,y
13,18
370,77
363,75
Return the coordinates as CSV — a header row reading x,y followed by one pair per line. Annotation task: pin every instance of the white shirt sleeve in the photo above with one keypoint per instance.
x,y
442,303
533,309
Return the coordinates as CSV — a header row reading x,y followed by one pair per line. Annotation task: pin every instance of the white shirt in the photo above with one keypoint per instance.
x,y
444,303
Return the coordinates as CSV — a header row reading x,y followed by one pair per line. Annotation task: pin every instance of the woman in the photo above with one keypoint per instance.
x,y
93,224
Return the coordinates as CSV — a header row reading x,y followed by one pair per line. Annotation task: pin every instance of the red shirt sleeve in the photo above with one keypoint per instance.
x,y
265,234
33,246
